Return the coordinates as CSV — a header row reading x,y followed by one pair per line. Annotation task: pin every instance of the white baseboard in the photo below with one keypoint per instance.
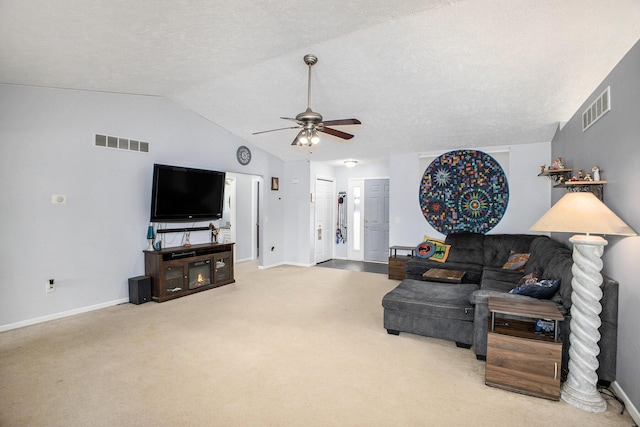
x,y
628,404
296,264
55,316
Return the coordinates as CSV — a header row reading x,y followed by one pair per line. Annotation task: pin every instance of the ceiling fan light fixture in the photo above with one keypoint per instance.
x,y
302,138
350,163
315,138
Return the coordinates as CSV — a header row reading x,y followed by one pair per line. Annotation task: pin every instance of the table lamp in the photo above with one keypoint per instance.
x,y
582,212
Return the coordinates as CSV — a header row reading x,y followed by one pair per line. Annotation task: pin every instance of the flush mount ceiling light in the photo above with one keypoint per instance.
x,y
350,163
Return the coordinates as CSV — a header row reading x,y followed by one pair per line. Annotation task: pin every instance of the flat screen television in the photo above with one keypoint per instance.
x,y
183,194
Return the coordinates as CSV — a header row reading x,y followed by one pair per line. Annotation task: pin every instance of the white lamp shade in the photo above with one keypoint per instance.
x,y
582,212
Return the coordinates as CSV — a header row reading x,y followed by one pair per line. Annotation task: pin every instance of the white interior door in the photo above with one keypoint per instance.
x,y
324,224
376,220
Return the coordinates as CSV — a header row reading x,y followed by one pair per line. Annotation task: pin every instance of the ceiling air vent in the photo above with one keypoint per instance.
x,y
121,143
597,109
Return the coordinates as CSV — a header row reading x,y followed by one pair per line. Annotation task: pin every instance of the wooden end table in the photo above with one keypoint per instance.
x,y
519,358
397,263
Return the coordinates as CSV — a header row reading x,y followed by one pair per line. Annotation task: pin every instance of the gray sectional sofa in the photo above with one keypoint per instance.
x,y
460,312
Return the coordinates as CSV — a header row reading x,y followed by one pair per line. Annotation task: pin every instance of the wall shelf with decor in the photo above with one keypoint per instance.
x,y
562,179
557,175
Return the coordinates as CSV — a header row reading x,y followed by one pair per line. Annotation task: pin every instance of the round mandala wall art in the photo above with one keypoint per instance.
x,y
464,191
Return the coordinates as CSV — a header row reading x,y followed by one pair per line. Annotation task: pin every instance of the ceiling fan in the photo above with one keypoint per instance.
x,y
312,122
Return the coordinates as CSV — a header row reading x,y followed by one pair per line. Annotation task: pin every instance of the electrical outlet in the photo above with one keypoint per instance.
x,y
48,286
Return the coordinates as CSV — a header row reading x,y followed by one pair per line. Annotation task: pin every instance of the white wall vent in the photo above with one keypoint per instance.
x,y
597,109
121,143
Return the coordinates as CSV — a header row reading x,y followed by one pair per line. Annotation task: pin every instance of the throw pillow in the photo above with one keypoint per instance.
x,y
425,249
431,239
441,253
435,251
516,261
544,289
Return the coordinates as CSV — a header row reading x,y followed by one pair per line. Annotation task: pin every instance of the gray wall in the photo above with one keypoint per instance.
x,y
613,143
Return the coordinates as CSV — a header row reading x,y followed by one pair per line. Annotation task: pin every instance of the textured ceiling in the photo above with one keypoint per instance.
x,y
421,75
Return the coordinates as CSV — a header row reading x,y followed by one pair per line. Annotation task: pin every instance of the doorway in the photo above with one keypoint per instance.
x,y
241,216
324,225
376,220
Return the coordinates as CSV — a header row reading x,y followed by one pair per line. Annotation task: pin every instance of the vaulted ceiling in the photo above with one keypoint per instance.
x,y
421,75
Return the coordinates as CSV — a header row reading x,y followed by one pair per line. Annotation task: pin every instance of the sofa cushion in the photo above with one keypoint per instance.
x,y
499,279
498,247
443,300
466,248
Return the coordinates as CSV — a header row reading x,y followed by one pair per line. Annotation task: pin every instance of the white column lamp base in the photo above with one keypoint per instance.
x,y
580,388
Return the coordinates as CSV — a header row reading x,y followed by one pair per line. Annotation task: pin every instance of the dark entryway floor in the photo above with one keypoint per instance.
x,y
343,264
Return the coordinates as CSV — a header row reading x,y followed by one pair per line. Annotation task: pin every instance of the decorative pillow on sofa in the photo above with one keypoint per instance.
x,y
544,289
435,251
432,239
516,261
441,253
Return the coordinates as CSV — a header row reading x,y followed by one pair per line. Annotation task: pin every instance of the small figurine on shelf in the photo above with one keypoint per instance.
x,y
588,177
214,232
580,175
542,168
187,239
557,164
596,173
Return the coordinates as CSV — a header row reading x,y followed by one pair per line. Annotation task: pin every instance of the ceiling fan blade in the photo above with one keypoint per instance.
x,y
337,133
342,122
274,130
289,118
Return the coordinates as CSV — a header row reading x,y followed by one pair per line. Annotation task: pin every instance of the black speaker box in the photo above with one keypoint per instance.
x,y
139,289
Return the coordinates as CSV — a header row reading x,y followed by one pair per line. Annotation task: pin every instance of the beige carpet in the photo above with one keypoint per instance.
x,y
287,346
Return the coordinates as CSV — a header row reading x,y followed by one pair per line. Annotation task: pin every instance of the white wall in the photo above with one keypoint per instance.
x,y
92,244
296,189
528,194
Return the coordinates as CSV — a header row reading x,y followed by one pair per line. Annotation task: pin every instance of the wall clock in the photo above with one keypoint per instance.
x,y
464,190
243,155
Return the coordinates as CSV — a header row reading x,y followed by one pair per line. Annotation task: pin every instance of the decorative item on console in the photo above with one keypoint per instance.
x,y
214,232
151,235
187,239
